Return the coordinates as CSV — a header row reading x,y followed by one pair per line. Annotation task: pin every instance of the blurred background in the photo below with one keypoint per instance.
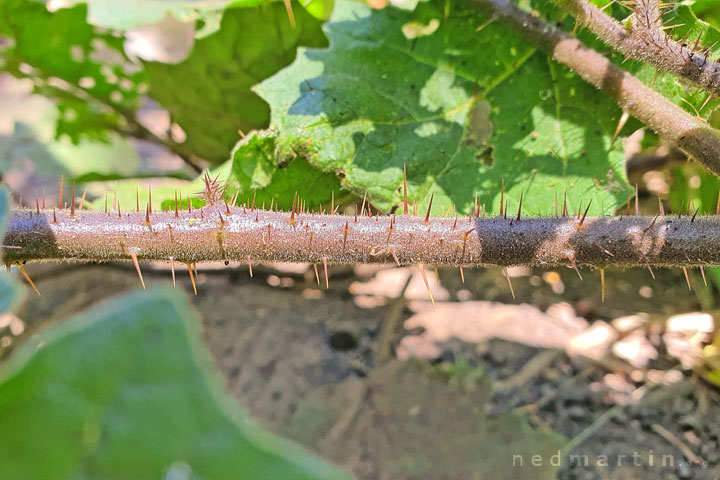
x,y
366,373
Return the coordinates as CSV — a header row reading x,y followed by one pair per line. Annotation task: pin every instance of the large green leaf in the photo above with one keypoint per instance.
x,y
463,109
208,93
127,391
73,62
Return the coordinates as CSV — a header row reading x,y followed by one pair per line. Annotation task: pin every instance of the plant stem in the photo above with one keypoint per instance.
x,y
646,41
211,234
691,134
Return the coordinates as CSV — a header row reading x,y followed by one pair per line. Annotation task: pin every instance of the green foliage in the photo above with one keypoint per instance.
x,y
71,61
208,93
390,92
123,15
258,175
127,391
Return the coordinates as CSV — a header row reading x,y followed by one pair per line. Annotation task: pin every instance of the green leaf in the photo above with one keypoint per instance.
x,y
71,61
461,122
127,390
258,176
10,291
208,93
321,9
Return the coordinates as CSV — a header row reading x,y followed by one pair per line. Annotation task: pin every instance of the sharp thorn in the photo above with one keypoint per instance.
x,y
462,273
507,277
582,220
250,267
702,272
647,264
172,269
621,123
427,285
427,215
637,204
72,202
192,278
646,229
27,277
394,255
137,267
60,197
695,214
327,279
574,264
405,203
687,278
317,276
519,208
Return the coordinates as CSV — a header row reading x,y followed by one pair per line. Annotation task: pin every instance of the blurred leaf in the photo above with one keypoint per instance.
x,y
708,10
321,9
256,173
692,187
376,101
10,291
127,390
131,192
123,15
71,61
106,177
208,94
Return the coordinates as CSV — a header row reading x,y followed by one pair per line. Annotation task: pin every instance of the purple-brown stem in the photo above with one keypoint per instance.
x,y
690,133
644,39
211,234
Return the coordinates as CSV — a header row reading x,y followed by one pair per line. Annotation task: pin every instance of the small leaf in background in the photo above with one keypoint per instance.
x,y
462,123
208,94
257,174
127,390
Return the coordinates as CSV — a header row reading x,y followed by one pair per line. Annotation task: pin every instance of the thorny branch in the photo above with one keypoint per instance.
x,y
691,134
220,233
645,40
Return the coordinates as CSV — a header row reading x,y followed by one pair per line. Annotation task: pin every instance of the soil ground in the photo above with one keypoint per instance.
x,y
503,395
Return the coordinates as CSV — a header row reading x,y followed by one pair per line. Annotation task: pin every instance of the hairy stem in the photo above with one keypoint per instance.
x,y
646,41
691,134
213,234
